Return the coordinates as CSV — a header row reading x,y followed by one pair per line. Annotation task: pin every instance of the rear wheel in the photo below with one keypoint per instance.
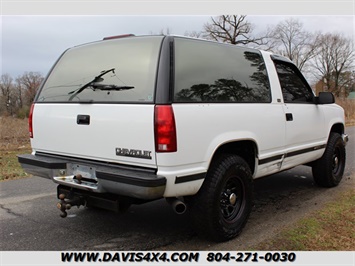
x,y
221,208
329,169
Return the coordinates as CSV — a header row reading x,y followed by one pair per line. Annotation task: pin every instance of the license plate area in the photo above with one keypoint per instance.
x,y
88,173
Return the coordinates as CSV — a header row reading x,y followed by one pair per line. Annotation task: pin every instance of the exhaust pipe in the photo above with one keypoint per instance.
x,y
178,206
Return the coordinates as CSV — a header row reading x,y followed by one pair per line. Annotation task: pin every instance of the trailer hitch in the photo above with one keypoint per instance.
x,y
65,204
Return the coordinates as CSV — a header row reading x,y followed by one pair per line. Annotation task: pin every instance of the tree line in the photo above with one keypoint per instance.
x,y
326,58
16,95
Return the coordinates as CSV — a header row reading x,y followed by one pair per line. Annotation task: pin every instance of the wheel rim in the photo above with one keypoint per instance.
x,y
337,161
232,197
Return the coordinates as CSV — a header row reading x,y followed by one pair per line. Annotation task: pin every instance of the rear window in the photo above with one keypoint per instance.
x,y
212,72
121,70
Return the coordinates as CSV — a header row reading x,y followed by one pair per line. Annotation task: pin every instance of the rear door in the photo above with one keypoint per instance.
x,y
98,102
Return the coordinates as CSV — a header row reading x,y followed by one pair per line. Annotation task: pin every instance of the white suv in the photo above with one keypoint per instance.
x,y
129,120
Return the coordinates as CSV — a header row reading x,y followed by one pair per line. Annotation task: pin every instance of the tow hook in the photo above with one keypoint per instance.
x,y
65,204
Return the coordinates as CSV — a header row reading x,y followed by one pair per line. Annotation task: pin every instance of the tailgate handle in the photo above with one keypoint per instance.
x,y
83,120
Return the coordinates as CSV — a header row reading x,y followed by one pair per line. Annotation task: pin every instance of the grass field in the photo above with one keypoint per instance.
x,y
13,133
14,140
331,228
9,166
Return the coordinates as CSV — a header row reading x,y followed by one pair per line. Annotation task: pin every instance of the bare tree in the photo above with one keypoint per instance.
x,y
20,93
16,97
232,29
30,82
7,91
335,62
289,39
163,31
193,34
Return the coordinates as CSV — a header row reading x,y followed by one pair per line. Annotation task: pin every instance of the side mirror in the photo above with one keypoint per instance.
x,y
325,98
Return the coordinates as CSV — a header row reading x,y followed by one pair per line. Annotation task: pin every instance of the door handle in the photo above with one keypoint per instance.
x,y
289,117
83,120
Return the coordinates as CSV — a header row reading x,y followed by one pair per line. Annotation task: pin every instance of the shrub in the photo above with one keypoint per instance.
x,y
349,108
23,112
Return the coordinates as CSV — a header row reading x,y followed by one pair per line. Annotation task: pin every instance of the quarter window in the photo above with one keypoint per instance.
x,y
212,72
294,88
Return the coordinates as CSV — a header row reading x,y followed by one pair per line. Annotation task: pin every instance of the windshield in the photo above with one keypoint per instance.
x,y
122,70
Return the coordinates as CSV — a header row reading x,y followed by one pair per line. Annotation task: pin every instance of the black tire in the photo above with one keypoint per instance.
x,y
329,169
222,207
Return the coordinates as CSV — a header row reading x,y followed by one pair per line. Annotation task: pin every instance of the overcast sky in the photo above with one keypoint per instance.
x,y
33,43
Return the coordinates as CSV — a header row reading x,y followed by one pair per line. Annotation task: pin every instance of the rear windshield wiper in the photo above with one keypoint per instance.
x,y
93,83
107,87
96,79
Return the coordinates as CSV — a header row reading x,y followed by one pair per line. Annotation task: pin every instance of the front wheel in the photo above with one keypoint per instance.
x,y
329,169
221,208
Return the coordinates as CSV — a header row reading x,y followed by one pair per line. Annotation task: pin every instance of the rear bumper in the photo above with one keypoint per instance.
x,y
95,176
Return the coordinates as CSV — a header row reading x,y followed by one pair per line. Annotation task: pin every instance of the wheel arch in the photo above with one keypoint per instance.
x,y
337,128
246,149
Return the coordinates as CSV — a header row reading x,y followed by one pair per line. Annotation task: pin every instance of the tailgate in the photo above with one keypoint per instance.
x,y
119,133
98,102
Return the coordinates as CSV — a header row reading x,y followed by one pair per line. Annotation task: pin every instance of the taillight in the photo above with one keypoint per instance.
x,y
165,129
30,120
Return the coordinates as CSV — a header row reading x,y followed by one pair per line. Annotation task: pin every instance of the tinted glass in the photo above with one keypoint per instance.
x,y
125,71
212,72
294,88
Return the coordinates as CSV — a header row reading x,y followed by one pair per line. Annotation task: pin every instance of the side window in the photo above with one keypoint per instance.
x,y
212,72
294,87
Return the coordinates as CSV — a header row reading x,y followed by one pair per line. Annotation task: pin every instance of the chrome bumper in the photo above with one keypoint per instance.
x,y
101,178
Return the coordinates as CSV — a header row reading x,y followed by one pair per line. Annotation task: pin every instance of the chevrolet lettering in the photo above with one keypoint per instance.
x,y
133,153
